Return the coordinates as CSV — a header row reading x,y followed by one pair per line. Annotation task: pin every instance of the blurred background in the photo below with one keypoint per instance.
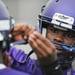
x,y
25,10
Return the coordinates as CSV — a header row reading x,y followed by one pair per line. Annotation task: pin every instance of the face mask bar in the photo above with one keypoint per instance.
x,y
65,47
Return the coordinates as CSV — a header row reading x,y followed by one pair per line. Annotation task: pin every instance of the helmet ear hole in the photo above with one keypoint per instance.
x,y
57,0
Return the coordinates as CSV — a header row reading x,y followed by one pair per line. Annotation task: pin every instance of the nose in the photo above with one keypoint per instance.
x,y
59,38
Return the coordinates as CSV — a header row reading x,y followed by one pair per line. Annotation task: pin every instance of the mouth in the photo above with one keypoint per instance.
x,y
57,45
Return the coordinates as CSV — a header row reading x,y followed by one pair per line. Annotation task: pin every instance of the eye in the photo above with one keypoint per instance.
x,y
55,31
58,40
52,29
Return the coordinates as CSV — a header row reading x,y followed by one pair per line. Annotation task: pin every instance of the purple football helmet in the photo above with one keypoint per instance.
x,y
59,13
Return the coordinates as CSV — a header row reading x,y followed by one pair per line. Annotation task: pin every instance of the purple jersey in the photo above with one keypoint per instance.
x,y
22,63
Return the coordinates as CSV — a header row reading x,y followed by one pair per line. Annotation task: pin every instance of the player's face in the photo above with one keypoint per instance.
x,y
60,36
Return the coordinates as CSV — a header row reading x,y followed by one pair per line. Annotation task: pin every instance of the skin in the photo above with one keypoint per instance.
x,y
43,47
60,37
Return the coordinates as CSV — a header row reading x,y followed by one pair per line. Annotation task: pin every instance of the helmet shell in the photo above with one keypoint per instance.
x,y
4,14
65,7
